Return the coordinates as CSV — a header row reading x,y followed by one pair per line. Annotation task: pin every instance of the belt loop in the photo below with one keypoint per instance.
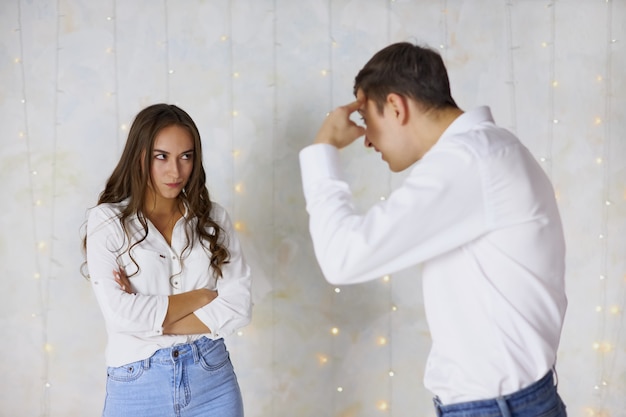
x,y
555,376
146,363
503,406
195,350
437,404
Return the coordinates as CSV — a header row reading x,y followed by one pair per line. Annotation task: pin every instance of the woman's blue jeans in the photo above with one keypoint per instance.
x,y
189,380
538,399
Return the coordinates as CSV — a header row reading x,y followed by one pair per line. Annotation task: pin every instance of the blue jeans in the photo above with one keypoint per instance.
x,y
189,380
538,399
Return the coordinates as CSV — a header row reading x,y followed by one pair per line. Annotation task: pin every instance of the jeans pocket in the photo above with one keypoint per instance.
x,y
215,357
125,373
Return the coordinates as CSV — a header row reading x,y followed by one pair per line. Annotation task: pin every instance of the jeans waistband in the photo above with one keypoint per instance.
x,y
546,386
185,353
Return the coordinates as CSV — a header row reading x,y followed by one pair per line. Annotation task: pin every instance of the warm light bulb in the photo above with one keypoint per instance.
x,y
334,331
382,341
337,290
238,226
123,126
223,38
235,113
48,348
394,308
555,83
236,153
614,310
599,160
382,405
386,278
36,275
339,389
239,187
597,121
391,373
240,333
322,359
324,72
41,245
235,75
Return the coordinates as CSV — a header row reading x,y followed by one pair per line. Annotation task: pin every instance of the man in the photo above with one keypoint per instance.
x,y
476,210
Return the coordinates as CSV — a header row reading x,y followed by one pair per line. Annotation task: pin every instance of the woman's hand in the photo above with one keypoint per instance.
x,y
122,280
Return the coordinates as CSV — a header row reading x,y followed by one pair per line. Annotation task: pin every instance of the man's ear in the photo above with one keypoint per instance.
x,y
399,106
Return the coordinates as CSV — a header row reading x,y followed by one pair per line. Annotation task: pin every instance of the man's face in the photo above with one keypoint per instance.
x,y
384,132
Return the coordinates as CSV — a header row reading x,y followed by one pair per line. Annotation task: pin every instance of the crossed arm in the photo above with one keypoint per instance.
x,y
179,318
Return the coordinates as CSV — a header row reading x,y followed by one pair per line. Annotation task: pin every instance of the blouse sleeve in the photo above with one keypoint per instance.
x,y
123,313
232,309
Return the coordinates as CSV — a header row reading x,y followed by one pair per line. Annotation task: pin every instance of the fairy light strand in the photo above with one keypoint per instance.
x,y
389,404
41,286
169,70
335,387
604,373
120,138
274,180
552,71
511,66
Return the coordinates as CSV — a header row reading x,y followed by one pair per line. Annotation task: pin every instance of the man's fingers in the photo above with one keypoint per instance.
x,y
354,106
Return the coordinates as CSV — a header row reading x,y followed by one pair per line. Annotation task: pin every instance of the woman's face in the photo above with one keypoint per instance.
x,y
172,161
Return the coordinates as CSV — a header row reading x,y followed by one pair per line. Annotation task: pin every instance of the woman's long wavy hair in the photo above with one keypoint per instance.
x,y
131,177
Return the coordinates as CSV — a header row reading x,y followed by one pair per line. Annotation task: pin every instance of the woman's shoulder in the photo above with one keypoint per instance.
x,y
105,212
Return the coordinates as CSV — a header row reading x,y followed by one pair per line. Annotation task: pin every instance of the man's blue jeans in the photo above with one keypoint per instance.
x,y
538,399
190,380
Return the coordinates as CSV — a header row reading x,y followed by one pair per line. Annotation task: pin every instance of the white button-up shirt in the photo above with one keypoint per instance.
x,y
480,214
134,321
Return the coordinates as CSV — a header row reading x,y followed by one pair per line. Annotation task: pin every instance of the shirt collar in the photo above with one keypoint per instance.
x,y
468,120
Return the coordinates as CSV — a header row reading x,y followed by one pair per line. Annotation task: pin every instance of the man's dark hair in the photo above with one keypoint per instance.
x,y
408,70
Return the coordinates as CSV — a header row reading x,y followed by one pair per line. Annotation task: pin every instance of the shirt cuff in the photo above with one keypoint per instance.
x,y
319,161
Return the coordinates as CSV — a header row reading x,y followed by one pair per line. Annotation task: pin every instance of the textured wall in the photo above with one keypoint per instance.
x,y
258,77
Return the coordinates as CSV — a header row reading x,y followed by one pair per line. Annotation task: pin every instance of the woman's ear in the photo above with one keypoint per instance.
x,y
399,107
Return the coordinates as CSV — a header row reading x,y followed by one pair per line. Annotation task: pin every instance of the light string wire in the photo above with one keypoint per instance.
x,y
511,66
42,293
391,310
168,66
605,372
274,148
119,136
336,291
552,71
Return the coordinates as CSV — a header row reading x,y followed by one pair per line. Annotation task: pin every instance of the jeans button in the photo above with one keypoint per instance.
x,y
175,354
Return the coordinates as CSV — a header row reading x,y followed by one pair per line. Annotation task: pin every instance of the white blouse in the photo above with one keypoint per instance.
x,y
134,321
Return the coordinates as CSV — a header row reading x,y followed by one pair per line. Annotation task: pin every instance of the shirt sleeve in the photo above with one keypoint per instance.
x,y
123,313
439,206
232,308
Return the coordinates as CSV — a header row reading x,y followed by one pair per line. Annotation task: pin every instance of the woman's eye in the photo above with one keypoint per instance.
x,y
160,156
186,156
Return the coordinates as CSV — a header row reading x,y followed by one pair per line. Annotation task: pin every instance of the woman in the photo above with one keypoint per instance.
x,y
168,273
